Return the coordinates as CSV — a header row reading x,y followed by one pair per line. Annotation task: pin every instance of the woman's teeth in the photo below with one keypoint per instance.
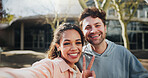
x,y
74,54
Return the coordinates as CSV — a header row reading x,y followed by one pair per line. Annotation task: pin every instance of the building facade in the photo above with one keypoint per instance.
x,y
137,28
33,33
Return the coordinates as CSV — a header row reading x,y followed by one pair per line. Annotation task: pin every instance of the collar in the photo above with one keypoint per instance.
x,y
88,50
64,66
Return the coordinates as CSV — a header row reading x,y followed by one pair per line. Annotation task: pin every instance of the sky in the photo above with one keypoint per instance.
x,y
146,1
41,7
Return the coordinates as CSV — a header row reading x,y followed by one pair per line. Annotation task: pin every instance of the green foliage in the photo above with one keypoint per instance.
x,y
7,19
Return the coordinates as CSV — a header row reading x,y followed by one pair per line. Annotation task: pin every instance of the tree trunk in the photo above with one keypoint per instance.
x,y
124,34
123,25
105,5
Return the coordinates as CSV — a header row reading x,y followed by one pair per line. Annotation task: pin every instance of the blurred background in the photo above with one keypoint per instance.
x,y
26,26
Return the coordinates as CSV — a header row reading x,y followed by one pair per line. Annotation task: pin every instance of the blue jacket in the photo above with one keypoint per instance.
x,y
115,62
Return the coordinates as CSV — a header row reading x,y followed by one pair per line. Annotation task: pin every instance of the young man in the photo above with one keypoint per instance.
x,y
111,60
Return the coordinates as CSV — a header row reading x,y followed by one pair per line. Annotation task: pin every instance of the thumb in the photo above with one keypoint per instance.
x,y
83,74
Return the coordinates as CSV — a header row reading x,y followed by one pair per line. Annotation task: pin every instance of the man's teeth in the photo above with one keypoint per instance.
x,y
96,36
73,54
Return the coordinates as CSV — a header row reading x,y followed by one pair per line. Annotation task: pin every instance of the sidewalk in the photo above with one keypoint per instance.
x,y
19,59
144,63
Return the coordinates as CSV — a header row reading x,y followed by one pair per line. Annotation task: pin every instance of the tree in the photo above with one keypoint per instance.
x,y
7,19
59,17
55,21
125,11
103,5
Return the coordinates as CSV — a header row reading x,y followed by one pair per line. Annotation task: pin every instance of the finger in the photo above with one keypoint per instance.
x,y
91,63
84,63
93,74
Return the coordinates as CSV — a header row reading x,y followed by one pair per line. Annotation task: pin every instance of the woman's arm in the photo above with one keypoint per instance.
x,y
41,69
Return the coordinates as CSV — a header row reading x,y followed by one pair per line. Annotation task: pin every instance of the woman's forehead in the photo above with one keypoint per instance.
x,y
70,35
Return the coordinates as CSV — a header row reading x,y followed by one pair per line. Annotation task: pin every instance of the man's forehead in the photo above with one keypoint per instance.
x,y
91,21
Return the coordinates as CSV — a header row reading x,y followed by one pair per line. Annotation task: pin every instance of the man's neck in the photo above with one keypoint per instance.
x,y
100,48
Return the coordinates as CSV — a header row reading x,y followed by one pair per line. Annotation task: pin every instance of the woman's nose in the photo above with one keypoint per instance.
x,y
73,47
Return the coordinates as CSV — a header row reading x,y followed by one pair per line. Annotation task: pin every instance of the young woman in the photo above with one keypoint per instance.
x,y
65,51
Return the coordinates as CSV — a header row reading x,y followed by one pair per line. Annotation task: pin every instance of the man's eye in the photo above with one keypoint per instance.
x,y
78,42
66,43
87,28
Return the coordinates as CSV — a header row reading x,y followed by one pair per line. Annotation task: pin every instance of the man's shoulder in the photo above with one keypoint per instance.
x,y
87,49
118,46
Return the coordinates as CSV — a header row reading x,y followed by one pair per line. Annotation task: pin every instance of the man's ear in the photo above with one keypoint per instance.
x,y
105,28
58,46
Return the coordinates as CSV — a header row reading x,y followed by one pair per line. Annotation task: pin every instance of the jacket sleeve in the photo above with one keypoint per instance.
x,y
40,69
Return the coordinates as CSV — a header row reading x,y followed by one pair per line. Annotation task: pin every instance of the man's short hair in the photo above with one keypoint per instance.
x,y
94,13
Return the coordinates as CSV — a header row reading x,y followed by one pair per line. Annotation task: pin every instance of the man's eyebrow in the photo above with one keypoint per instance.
x,y
97,23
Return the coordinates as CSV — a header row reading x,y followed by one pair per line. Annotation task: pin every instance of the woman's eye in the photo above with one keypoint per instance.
x,y
97,25
78,42
66,43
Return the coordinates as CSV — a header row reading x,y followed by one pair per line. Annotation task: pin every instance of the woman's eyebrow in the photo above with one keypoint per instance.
x,y
66,40
69,40
78,40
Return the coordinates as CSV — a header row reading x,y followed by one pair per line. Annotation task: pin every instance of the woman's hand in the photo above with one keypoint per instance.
x,y
86,72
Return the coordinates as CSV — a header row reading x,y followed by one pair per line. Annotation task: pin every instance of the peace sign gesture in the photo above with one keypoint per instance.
x,y
87,73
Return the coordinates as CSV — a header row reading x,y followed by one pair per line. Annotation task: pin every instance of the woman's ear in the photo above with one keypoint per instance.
x,y
58,47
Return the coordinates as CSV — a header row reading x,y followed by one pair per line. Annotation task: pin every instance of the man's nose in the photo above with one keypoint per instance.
x,y
94,30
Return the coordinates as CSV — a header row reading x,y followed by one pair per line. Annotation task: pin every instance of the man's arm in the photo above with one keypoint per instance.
x,y
136,69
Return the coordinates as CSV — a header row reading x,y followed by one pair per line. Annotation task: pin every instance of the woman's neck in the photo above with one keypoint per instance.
x,y
71,65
